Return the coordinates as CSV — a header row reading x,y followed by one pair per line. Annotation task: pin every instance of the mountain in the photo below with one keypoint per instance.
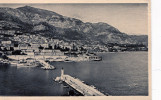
x,y
50,24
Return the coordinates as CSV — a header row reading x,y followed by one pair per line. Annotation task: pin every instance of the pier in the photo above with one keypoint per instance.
x,y
79,85
46,65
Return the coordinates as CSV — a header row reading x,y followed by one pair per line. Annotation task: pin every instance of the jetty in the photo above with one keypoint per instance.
x,y
78,85
46,66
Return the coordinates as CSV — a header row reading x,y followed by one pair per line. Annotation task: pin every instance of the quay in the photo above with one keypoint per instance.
x,y
79,85
46,65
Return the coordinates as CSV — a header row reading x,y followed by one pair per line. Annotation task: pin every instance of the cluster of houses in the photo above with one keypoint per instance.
x,y
27,44
114,47
44,50
33,48
37,45
8,33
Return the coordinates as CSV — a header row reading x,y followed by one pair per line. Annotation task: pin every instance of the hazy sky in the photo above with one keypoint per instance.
x,y
128,18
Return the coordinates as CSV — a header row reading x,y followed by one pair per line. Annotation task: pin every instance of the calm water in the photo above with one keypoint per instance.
x,y
118,74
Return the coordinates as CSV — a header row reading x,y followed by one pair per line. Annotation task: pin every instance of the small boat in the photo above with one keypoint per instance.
x,y
65,86
59,59
93,57
48,68
68,60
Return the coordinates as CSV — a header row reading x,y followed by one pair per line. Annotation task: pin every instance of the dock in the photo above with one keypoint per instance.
x,y
78,85
46,65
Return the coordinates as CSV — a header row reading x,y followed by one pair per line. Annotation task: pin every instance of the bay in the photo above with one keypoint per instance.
x,y
118,74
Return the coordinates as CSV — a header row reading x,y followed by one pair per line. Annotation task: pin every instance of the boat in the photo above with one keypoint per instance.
x,y
59,59
65,86
48,68
93,57
68,59
87,57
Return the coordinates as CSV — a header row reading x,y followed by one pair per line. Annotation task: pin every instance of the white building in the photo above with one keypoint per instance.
x,y
9,32
6,42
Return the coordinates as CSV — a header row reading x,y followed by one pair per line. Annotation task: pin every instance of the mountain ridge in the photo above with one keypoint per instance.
x,y
49,23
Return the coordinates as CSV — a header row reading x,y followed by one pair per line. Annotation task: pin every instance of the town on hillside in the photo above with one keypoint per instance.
x,y
19,46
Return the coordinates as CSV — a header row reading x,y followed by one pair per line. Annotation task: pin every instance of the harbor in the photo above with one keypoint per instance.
x,y
104,75
35,63
35,60
101,56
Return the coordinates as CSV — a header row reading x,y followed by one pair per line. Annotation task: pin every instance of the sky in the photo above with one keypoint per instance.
x,y
128,18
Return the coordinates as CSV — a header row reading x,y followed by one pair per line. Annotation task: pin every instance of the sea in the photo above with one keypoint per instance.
x,y
118,74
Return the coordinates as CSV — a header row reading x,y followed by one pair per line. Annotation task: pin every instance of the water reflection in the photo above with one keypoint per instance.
x,y
47,74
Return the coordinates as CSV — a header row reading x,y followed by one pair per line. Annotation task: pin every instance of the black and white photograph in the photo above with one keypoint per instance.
x,y
74,49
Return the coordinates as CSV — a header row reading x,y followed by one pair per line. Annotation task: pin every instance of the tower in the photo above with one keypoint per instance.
x,y
62,74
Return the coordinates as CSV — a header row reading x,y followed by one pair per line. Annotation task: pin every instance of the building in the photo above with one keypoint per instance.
x,y
8,32
6,42
34,46
45,45
23,46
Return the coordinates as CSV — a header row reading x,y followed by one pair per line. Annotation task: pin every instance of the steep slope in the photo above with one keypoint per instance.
x,y
48,23
14,18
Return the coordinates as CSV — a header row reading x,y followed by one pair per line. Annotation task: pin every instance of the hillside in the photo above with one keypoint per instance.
x,y
50,24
